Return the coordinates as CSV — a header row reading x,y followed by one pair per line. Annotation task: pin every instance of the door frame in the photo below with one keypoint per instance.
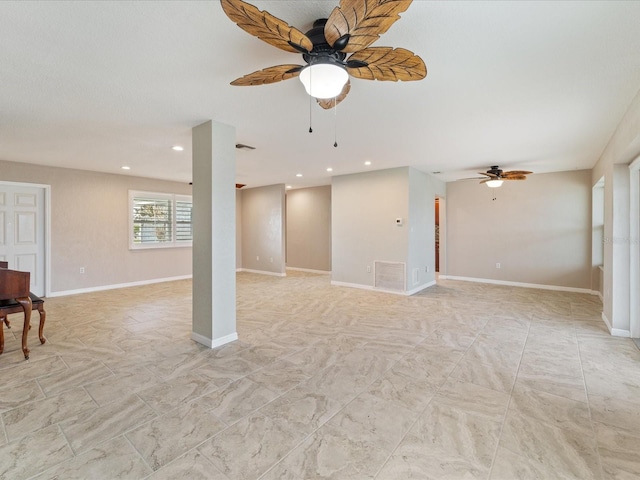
x,y
47,228
634,246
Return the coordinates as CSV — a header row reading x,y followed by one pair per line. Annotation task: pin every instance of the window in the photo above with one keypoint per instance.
x,y
159,220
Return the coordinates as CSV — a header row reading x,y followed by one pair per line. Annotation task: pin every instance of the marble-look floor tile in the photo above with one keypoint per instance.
x,y
280,376
121,383
404,390
250,447
165,438
615,412
563,451
115,460
413,460
40,414
509,466
331,453
190,466
557,383
236,400
34,369
91,428
495,377
168,395
74,377
552,409
457,433
34,453
473,398
618,452
20,394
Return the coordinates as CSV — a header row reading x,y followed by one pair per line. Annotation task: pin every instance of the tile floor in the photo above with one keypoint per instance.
x,y
463,381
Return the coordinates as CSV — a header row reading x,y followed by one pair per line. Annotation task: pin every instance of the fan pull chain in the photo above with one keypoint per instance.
x,y
310,107
310,99
335,122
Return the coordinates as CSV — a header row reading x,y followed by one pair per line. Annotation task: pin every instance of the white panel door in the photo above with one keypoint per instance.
x,y
22,231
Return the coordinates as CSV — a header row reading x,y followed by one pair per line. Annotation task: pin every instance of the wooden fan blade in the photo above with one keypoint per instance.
x,y
514,177
328,103
269,75
386,63
265,26
488,174
363,20
516,172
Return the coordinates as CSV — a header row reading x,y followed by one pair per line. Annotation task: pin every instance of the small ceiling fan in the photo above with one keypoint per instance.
x,y
333,50
495,176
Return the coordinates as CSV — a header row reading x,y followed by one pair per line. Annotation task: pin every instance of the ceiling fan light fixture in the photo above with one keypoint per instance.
x,y
324,80
494,183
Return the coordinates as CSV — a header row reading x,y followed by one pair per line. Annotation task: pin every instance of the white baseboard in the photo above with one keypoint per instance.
x,y
309,270
262,272
216,342
373,289
63,293
615,332
520,284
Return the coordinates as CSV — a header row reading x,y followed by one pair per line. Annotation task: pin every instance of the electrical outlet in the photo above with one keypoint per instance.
x,y
426,269
497,265
258,258
368,269
81,269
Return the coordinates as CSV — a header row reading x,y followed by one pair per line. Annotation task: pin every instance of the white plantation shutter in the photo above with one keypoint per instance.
x,y
159,220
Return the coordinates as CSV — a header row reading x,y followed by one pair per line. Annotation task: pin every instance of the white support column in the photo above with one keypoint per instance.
x,y
214,234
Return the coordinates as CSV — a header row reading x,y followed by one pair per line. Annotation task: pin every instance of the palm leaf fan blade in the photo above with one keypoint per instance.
x,y
269,75
388,64
265,26
363,20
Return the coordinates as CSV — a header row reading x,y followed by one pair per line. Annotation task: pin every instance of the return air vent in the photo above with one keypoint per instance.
x,y
390,276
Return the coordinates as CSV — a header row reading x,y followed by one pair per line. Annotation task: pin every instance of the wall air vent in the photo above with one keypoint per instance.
x,y
390,276
242,146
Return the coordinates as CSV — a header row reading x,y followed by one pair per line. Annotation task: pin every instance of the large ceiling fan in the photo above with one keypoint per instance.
x,y
334,49
495,176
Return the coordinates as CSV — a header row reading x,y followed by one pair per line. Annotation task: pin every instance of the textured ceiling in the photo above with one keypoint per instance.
x,y
528,85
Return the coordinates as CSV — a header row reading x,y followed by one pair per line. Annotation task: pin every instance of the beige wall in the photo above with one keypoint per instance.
x,y
620,297
238,229
308,222
363,212
263,229
539,230
89,228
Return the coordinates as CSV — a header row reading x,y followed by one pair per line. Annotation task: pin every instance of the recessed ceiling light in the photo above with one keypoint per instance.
x,y
125,167
367,162
298,174
329,169
289,186
177,148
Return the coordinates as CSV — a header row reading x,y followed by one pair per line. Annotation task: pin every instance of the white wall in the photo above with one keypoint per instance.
x,y
263,229
308,226
90,228
539,230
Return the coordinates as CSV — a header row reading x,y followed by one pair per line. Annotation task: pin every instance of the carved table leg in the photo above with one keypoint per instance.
x,y
1,336
43,317
26,305
7,322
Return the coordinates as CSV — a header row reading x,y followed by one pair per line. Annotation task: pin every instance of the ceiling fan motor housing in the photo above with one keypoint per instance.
x,y
322,52
495,171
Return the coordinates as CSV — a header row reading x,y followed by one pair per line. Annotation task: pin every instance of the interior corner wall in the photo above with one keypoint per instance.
x,y
308,227
364,208
263,229
421,264
90,228
622,148
539,230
